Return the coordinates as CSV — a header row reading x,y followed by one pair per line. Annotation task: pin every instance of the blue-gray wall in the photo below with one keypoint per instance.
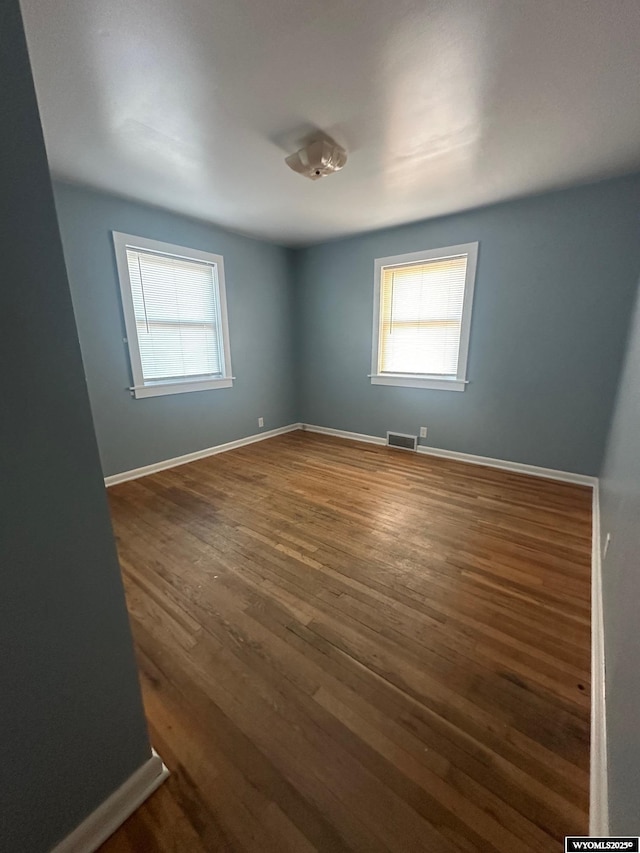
x,y
555,284
71,722
554,289
620,516
554,294
132,433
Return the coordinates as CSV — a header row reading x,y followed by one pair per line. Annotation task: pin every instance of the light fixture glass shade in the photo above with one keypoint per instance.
x,y
318,159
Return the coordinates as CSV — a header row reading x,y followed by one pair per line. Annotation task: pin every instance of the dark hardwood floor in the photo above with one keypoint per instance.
x,y
345,647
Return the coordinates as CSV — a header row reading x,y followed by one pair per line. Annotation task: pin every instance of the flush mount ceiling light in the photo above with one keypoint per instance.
x,y
318,158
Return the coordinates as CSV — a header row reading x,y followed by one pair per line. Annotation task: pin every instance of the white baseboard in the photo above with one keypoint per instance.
x,y
517,467
113,812
342,433
198,454
599,793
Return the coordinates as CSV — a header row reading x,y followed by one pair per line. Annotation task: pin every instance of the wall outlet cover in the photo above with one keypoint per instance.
x,y
260,422
423,432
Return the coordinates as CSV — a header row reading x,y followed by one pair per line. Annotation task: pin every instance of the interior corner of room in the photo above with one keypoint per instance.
x,y
331,643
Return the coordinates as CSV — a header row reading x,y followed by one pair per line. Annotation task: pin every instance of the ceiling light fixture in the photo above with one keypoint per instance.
x,y
318,158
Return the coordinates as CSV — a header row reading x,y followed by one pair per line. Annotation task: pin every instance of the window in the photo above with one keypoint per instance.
x,y
176,317
422,318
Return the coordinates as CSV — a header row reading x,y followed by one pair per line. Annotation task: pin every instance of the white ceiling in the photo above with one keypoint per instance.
x,y
442,104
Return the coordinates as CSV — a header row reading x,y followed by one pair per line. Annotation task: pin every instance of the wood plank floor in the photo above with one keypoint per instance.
x,y
345,647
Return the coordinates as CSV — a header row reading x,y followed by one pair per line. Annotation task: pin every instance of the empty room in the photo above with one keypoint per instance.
x,y
320,432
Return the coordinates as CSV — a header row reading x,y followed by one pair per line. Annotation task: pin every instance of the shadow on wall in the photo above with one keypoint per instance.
x,y
71,716
620,516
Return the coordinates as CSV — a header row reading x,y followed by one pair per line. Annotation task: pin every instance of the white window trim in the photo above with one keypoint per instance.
x,y
155,388
419,380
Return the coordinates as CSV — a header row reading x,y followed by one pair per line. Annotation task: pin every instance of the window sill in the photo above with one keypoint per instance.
x,y
409,381
179,386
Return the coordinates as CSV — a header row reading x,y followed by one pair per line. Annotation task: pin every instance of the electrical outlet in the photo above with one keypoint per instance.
x,y
423,432
607,540
260,422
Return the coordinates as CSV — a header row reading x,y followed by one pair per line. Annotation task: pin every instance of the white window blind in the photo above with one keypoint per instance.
x,y
421,311
177,315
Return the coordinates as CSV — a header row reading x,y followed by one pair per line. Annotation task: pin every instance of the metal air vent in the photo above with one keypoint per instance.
x,y
402,441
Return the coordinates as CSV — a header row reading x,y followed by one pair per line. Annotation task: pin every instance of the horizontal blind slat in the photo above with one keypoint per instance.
x,y
177,315
421,316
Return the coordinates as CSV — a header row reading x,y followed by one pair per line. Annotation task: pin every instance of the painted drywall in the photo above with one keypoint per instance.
x,y
620,516
132,433
554,290
71,722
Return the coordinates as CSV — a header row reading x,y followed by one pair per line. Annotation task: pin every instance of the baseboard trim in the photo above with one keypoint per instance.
x,y
112,813
341,433
515,467
599,789
135,473
503,464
